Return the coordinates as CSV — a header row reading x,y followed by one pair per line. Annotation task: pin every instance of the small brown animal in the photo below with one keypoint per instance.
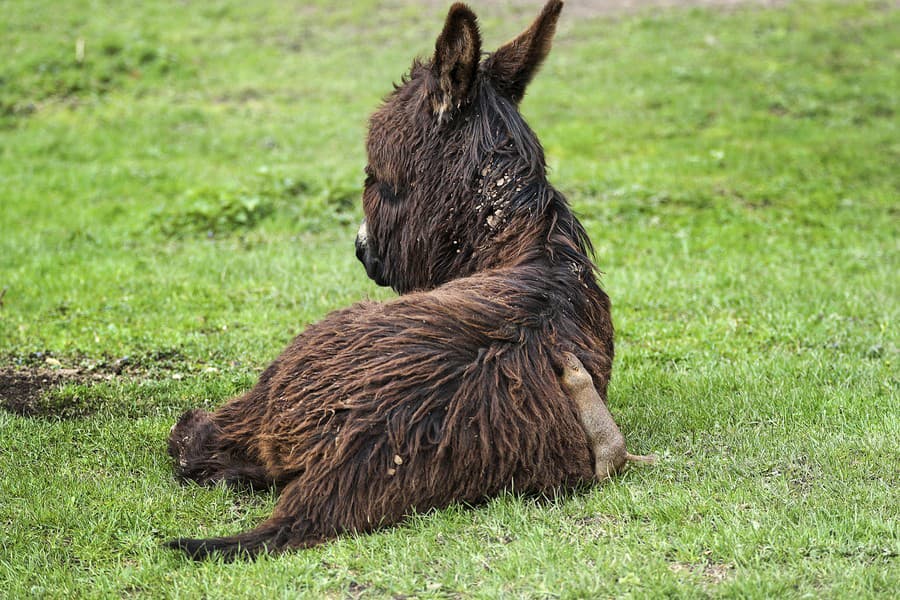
x,y
607,441
450,392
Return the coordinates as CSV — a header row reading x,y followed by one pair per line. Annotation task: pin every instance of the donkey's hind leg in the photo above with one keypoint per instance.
x,y
603,434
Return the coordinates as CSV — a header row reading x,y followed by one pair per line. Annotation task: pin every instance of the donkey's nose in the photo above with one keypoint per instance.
x,y
362,238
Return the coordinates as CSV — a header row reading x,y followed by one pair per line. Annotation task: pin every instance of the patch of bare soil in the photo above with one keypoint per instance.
x,y
709,573
33,385
595,8
41,385
21,391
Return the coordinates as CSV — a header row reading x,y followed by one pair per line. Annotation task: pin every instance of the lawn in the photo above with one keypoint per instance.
x,y
179,193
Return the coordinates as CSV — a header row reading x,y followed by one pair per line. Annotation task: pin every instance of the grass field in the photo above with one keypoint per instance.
x,y
179,192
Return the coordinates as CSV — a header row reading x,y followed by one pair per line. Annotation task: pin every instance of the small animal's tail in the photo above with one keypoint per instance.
x,y
647,459
272,536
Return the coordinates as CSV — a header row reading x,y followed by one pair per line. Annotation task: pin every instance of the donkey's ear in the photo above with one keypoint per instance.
x,y
513,65
456,55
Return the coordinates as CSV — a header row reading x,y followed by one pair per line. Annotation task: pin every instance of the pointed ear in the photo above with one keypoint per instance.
x,y
456,55
513,65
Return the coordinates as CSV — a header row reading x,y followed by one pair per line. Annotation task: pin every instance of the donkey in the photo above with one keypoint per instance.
x,y
488,373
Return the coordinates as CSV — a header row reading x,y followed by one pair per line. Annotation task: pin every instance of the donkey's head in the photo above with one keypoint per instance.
x,y
453,167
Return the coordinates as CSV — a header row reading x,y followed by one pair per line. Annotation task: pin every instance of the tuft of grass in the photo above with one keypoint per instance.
x,y
735,169
214,212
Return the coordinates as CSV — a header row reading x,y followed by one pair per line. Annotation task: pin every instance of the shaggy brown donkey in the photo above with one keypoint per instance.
x,y
463,386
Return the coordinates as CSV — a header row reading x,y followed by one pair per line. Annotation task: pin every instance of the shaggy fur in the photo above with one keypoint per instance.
x,y
450,392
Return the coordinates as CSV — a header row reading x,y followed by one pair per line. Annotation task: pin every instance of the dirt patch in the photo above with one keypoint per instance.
x,y
600,520
596,8
709,573
69,387
599,526
605,7
22,391
40,385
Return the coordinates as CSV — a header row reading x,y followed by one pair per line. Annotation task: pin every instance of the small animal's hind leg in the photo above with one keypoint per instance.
x,y
604,435
204,453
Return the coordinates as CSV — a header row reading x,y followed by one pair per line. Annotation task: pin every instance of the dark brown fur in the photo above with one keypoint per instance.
x,y
451,391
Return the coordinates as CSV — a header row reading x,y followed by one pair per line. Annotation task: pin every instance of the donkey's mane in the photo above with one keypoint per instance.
x,y
514,152
502,166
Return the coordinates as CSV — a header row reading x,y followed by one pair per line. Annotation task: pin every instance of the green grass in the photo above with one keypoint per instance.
x,y
184,201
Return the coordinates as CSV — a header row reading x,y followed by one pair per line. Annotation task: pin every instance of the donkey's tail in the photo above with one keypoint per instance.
x,y
272,536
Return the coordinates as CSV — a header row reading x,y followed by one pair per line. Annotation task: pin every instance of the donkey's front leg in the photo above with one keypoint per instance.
x,y
221,445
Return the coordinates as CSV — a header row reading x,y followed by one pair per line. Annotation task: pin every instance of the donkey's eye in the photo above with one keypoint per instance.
x,y
370,176
387,193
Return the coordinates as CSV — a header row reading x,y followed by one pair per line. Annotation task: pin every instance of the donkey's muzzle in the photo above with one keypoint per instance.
x,y
367,257
361,242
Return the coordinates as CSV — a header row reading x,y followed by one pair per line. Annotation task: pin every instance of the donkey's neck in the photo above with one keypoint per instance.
x,y
530,222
